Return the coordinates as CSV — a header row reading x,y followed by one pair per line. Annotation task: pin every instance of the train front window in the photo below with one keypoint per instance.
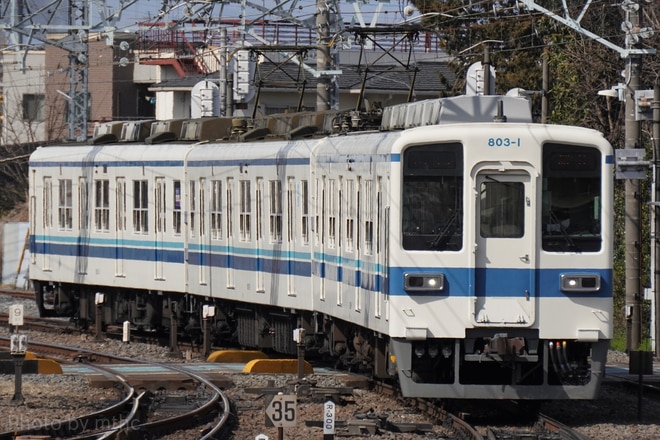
x,y
432,197
502,206
571,216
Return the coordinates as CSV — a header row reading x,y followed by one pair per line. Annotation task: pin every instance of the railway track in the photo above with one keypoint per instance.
x,y
17,293
461,427
544,428
123,410
563,432
132,417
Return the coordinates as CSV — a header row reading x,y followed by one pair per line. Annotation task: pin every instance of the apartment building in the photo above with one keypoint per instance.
x,y
154,74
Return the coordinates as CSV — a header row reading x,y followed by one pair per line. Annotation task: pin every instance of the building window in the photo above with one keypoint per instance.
x,y
65,208
102,205
33,107
140,206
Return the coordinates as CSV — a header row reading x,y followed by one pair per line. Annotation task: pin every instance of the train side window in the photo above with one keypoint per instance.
x,y
319,207
368,204
140,206
83,204
332,212
304,211
193,207
259,236
216,209
350,214
102,205
160,200
120,194
276,211
245,214
230,208
65,204
176,207
290,218
379,213
202,207
47,203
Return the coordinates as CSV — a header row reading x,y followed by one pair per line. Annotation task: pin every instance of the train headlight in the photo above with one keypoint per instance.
x,y
446,351
424,282
579,282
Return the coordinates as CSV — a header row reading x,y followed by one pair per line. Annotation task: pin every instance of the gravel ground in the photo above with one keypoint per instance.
x,y
49,399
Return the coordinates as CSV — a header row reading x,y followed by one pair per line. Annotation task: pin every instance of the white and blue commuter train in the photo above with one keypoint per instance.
x,y
456,246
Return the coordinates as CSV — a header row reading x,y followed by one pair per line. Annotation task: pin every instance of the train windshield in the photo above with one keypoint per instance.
x,y
432,197
571,199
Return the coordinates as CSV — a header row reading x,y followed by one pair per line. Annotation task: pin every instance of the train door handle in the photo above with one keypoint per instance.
x,y
525,258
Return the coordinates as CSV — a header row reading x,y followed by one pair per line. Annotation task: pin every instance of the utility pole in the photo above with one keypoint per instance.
x,y
656,208
656,211
76,44
545,88
632,212
322,55
632,53
27,28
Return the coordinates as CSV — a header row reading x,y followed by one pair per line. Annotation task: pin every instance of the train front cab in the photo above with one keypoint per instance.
x,y
530,316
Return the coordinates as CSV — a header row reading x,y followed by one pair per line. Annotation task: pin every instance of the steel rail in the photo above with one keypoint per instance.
x,y
462,429
218,401
76,425
564,432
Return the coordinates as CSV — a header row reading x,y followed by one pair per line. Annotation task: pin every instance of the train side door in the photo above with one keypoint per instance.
x,y
504,255
48,215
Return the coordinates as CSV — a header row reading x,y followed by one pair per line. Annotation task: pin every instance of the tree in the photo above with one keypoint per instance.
x,y
579,68
516,45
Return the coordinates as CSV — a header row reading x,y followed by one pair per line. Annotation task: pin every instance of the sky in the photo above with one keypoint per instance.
x,y
358,12
388,12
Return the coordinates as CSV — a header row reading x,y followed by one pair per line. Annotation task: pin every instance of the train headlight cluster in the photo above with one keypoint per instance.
x,y
424,282
580,282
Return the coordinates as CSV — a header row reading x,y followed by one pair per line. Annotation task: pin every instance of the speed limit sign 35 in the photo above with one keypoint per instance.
x,y
281,411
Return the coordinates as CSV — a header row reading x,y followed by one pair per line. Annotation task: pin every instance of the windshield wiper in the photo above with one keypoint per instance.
x,y
442,239
562,230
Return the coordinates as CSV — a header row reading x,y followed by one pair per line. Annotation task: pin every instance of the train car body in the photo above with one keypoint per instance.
x,y
465,258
